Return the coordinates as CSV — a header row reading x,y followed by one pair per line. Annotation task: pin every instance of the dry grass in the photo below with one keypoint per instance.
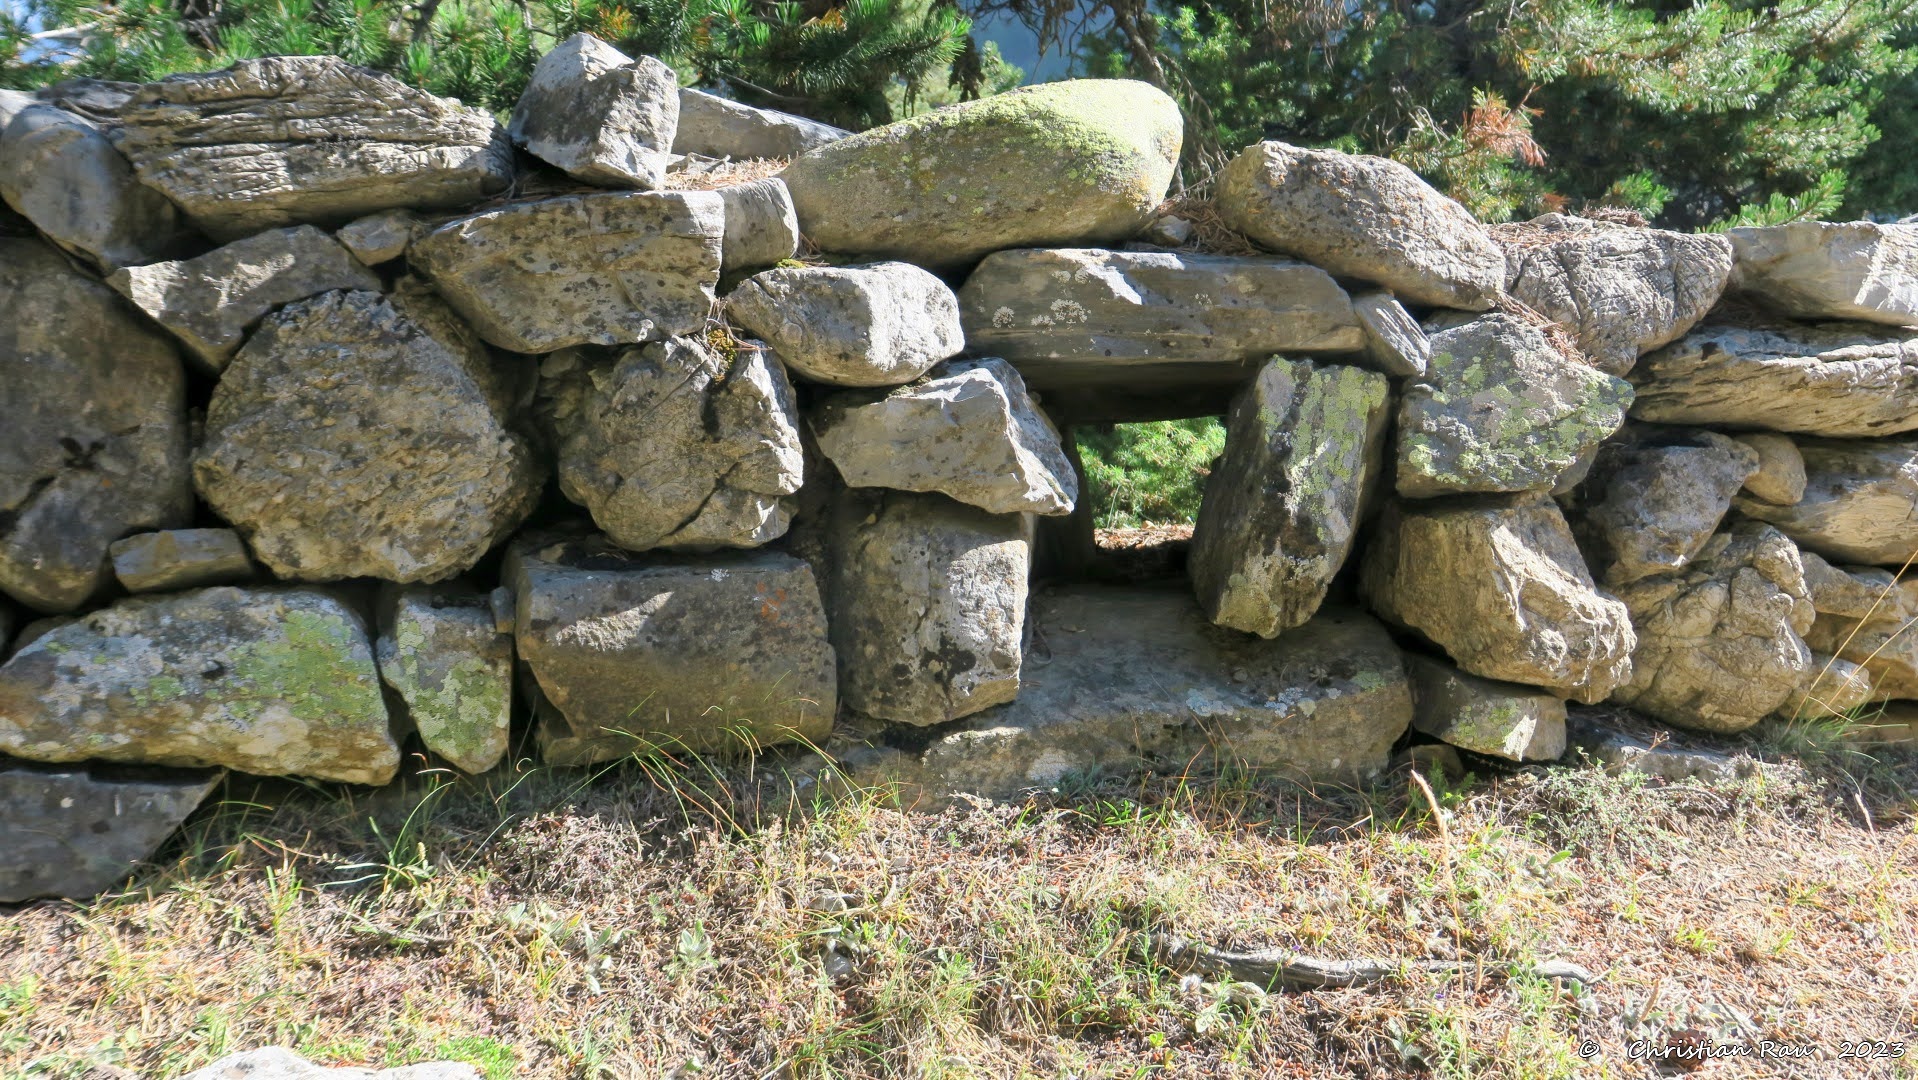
x,y
640,924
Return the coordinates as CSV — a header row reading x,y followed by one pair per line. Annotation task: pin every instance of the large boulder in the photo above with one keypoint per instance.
x,y
612,268
1831,270
175,559
970,431
713,653
717,127
1303,444
1519,723
600,115
1655,499
1498,583
1719,642
360,435
1084,161
441,653
882,324
96,441
71,833
290,139
62,173
1618,290
674,444
1866,617
211,302
273,681
1858,501
1362,217
1500,409
1837,379
928,601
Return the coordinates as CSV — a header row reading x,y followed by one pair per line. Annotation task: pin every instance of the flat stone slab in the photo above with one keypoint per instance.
x,y
1857,506
718,127
73,833
1831,270
1518,723
1844,380
175,559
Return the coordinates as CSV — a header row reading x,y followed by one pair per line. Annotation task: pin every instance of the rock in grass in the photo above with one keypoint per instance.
x,y
882,324
1847,380
62,173
438,649
1654,500
279,1063
175,559
273,681
717,127
1858,501
1780,479
73,833
1518,723
1831,687
1831,270
600,115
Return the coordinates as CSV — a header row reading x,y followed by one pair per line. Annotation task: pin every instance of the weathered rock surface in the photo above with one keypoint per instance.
x,y
762,228
1656,756
1831,270
1656,498
176,559
270,681
358,435
290,139
1303,444
439,651
279,1063
96,432
882,324
1362,217
1073,317
1084,161
211,302
1395,343
1504,720
73,834
673,445
1869,618
1719,643
1499,584
1831,687
969,431
1499,409
61,172
381,237
1780,479
929,605
1838,379
599,114
1618,290
713,126
715,653
1858,501
613,268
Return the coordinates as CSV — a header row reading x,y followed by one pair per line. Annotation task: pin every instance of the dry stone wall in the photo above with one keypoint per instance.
x,y
341,418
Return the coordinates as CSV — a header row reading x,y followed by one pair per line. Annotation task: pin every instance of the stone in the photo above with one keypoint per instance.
x,y
74,834
673,444
1303,444
1431,758
96,438
1362,217
1831,270
1893,724
762,229
1498,583
439,651
1655,499
62,173
1831,687
211,302
1499,409
1168,231
360,435
1518,723
1671,761
280,1063
1617,289
970,431
1719,642
1844,380
928,601
1085,317
1858,501
881,324
271,681
1780,479
1395,343
1079,162
285,140
1869,618
382,237
610,268
715,653
717,127
175,559
598,114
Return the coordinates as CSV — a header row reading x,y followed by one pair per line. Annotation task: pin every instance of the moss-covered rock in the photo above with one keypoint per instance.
x,y
441,653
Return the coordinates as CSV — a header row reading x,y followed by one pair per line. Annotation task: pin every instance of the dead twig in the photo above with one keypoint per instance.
x,y
1297,971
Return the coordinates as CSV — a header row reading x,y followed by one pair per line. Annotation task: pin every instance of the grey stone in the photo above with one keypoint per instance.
x,y
1362,217
439,650
1168,231
211,302
96,442
1504,720
381,237
969,431
1498,583
12,102
358,435
717,653
272,681
1659,758
1831,687
1858,501
1655,499
612,268
762,228
1780,479
1869,618
176,559
1831,270
600,115
1395,344
881,324
73,834
1282,507
62,173
672,444
290,139
1084,161
717,127
99,100
280,1063
1837,379
1499,409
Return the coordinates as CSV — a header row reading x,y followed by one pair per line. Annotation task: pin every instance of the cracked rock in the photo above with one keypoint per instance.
x,y
881,324
61,172
599,114
1848,380
1831,270
1866,617
1858,501
73,833
439,650
1654,500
